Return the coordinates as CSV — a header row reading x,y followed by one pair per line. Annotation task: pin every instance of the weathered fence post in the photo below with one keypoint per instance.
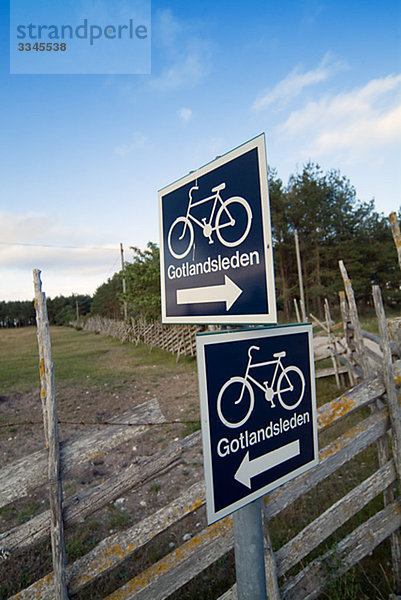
x,y
300,279
272,587
332,342
353,313
382,444
394,411
347,333
297,311
49,398
395,228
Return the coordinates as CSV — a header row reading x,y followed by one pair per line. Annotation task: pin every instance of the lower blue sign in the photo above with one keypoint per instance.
x,y
258,410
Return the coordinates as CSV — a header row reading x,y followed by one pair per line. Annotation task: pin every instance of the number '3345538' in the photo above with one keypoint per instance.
x,y
42,47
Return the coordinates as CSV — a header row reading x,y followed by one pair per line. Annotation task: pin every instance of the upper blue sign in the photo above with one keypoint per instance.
x,y
215,249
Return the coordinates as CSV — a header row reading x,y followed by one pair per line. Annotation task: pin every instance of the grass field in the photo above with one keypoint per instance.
x,y
77,356
81,357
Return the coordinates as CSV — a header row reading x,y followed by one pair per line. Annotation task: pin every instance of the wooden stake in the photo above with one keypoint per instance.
x,y
347,333
395,419
272,587
332,342
388,377
297,310
353,314
55,488
124,284
301,285
395,228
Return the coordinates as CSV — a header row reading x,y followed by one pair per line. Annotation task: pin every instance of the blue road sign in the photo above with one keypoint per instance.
x,y
215,242
258,411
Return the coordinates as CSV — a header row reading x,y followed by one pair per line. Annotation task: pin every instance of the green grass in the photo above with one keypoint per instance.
x,y
77,356
19,362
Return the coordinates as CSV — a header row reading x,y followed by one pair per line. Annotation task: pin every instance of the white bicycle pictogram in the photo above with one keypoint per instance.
x,y
287,383
181,233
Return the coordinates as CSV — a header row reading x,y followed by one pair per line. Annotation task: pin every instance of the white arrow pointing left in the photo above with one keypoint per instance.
x,y
251,468
228,292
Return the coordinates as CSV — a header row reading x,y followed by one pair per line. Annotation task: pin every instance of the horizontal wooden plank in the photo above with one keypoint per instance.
x,y
230,594
355,440
76,508
18,478
329,371
354,399
331,458
113,550
301,545
311,581
333,518
180,566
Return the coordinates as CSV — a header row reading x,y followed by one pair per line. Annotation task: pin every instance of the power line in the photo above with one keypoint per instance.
x,y
57,246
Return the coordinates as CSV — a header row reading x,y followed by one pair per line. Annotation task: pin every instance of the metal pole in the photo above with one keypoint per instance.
x,y
249,552
301,285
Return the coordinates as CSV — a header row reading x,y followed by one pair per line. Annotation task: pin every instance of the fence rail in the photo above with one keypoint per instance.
x,y
185,562
201,551
177,339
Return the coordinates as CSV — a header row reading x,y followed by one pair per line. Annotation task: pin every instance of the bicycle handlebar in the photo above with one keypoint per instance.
x,y
194,187
252,348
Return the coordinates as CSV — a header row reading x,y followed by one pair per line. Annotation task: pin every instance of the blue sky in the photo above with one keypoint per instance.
x,y
82,156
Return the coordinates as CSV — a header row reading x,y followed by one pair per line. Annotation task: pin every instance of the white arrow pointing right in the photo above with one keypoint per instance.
x,y
251,468
227,292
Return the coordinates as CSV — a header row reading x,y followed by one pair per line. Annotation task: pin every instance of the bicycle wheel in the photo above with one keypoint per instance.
x,y
239,217
180,237
232,396
290,386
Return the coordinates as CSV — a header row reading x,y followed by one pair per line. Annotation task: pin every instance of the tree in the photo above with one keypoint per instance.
x,y
106,300
16,313
143,282
332,225
283,244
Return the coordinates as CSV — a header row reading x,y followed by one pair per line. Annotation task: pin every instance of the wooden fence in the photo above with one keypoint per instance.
x,y
177,339
377,390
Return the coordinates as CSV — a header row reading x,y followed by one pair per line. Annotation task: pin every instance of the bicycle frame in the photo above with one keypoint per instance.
x,y
203,224
249,377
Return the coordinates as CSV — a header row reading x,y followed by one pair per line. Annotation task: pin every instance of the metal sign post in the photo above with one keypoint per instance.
x,y
249,552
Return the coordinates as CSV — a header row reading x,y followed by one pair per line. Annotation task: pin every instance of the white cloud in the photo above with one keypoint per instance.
x,y
167,29
185,52
185,114
68,264
189,68
30,226
295,82
352,123
139,142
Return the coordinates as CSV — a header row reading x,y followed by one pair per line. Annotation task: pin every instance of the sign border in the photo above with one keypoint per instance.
x,y
257,142
204,339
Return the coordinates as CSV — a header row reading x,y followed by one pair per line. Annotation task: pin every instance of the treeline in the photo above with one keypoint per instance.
x,y
142,282
331,224
61,310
